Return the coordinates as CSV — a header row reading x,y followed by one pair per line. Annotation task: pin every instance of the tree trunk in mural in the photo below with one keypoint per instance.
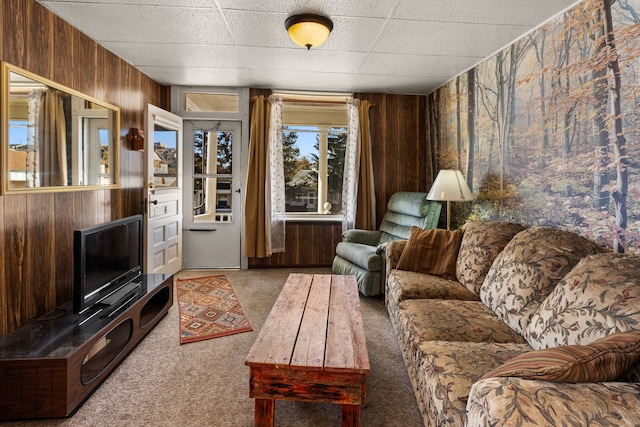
x,y
538,40
471,124
619,195
565,89
513,70
601,177
434,132
501,114
565,98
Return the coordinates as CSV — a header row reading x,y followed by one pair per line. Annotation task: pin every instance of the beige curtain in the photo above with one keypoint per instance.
x,y
257,239
52,140
366,195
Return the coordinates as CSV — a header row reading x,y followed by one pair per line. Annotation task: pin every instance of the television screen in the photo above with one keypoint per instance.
x,y
106,257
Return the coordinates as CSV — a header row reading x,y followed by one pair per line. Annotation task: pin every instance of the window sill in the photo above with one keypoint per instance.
x,y
313,218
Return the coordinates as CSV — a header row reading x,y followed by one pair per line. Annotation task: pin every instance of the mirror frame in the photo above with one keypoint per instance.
x,y
114,136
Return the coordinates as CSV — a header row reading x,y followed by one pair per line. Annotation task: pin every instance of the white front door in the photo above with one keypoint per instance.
x,y
213,204
163,185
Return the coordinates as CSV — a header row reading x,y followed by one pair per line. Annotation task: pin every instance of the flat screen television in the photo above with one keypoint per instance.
x,y
106,257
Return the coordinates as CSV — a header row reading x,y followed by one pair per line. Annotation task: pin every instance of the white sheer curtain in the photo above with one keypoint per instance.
x,y
351,166
33,112
275,179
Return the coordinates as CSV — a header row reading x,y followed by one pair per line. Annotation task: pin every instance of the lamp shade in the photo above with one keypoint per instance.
x,y
308,30
451,186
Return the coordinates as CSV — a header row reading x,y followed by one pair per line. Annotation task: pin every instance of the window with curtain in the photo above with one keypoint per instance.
x,y
314,140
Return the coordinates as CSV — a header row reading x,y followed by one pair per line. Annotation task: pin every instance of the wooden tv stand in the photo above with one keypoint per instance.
x,y
50,366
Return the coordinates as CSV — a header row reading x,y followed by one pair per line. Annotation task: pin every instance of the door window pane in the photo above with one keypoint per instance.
x,y
212,182
208,144
165,161
212,200
224,152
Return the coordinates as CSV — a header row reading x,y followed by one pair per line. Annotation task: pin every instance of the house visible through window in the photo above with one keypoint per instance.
x,y
314,142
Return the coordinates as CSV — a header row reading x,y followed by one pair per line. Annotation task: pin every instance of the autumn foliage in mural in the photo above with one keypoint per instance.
x,y
547,130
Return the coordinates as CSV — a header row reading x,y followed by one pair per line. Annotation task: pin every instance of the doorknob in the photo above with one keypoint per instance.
x,y
238,190
153,202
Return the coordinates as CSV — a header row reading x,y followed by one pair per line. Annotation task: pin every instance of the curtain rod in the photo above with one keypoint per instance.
x,y
307,101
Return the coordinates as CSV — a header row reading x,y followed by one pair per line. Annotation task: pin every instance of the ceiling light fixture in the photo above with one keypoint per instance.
x,y
308,30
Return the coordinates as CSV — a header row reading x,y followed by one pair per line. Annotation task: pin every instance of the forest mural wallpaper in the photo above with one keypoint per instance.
x,y
547,130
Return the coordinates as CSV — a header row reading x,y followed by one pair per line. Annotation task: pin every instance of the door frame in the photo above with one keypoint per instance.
x,y
192,231
159,197
178,108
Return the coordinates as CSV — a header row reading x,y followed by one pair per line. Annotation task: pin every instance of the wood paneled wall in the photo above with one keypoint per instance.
x,y
307,245
36,231
400,152
400,163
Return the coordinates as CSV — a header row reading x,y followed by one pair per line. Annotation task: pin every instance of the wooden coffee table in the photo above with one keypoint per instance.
x,y
311,348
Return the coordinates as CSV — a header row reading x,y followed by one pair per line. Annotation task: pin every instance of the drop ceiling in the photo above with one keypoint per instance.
x,y
390,46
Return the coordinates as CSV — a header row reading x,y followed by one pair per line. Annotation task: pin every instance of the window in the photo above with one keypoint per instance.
x,y
211,102
313,168
314,140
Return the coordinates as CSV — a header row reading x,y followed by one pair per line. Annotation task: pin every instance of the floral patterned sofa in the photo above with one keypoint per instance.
x,y
532,326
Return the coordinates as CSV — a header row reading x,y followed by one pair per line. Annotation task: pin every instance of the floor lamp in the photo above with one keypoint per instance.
x,y
450,186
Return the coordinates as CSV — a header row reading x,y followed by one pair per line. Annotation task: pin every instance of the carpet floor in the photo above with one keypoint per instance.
x,y
162,383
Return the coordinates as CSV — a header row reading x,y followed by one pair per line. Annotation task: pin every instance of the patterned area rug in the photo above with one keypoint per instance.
x,y
209,308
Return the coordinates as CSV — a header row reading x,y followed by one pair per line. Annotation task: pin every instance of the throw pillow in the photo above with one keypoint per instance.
x,y
605,359
528,269
431,251
600,294
481,244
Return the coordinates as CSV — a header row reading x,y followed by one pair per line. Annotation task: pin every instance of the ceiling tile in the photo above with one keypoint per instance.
x,y
229,77
511,12
444,39
416,65
302,80
330,8
174,3
144,23
296,59
182,55
405,85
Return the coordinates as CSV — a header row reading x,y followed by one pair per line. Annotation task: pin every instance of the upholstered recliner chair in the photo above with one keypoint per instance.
x,y
361,252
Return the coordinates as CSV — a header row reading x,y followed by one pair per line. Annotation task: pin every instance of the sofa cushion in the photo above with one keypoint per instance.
x,y
431,251
402,285
447,370
362,255
518,402
528,269
452,320
481,243
605,359
600,296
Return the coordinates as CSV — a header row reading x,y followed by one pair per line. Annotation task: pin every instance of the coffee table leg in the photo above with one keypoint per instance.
x,y
350,415
264,413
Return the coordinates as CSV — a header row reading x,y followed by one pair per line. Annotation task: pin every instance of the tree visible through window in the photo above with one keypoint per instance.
x,y
313,168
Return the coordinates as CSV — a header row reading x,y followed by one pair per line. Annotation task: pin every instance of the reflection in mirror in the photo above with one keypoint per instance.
x,y
56,139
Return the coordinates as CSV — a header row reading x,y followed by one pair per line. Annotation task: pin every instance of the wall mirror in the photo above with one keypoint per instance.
x,y
54,138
